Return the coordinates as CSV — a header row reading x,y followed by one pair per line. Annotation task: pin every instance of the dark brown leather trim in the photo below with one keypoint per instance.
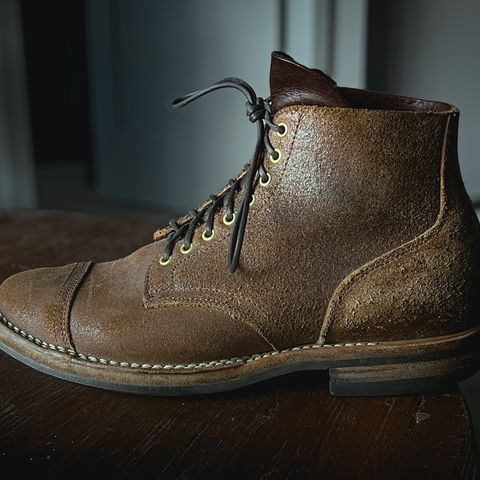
x,y
294,84
383,101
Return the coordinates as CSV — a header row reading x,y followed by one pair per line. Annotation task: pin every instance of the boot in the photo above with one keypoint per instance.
x,y
347,243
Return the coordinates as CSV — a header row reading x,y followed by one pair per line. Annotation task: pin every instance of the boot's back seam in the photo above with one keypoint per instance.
x,y
349,281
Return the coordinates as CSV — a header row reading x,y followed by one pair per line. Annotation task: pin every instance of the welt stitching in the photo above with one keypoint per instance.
x,y
393,255
191,366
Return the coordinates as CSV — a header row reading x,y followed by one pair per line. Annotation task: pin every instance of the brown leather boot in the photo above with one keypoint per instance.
x,y
360,255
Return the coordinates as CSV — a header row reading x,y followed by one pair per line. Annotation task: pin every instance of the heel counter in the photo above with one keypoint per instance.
x,y
429,286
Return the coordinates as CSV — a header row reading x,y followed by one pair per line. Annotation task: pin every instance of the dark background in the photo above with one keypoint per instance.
x,y
56,68
98,75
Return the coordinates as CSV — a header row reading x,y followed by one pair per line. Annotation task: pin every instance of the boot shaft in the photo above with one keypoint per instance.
x,y
429,285
351,186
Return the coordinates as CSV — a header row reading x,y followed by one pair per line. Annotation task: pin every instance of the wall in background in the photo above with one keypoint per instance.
x,y
428,49
142,58
55,54
330,35
17,176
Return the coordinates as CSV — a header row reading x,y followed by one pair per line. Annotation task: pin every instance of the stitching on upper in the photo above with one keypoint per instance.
x,y
211,305
268,194
73,283
57,317
233,361
300,114
216,291
389,257
251,306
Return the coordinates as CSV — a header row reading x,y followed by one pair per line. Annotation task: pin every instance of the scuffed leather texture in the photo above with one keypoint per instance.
x,y
352,185
39,300
108,318
295,84
428,287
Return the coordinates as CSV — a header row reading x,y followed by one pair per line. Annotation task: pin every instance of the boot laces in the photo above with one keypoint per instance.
x,y
259,112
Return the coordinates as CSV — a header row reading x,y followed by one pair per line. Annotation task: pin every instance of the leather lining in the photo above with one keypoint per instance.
x,y
372,100
294,84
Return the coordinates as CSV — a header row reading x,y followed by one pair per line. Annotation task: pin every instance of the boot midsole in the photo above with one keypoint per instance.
x,y
226,374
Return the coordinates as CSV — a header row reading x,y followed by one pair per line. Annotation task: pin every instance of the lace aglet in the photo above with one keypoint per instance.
x,y
179,102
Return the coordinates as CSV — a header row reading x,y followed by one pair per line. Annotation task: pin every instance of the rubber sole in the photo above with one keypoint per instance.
x,y
375,368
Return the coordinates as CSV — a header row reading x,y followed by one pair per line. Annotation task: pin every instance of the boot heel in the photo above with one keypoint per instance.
x,y
401,378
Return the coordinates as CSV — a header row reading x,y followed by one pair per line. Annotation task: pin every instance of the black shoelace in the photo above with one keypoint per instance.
x,y
259,112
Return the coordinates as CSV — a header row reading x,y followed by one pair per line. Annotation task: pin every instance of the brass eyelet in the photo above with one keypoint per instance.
x,y
252,200
206,237
276,159
266,182
184,250
285,129
228,222
164,261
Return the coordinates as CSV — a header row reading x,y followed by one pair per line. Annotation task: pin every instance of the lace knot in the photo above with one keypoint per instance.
x,y
256,111
260,113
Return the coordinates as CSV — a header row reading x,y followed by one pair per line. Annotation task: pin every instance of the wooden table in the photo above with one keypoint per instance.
x,y
284,428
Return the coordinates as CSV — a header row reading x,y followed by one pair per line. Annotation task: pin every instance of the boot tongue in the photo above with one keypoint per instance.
x,y
295,84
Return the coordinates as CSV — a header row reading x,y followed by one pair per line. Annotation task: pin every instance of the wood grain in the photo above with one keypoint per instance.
x,y
289,427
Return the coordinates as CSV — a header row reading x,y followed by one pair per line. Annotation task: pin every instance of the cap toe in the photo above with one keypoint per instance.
x,y
32,301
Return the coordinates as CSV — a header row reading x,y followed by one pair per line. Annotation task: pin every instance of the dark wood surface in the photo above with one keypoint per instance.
x,y
284,428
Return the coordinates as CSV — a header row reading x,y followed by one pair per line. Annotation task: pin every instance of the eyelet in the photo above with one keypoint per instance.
x,y
184,250
252,200
206,237
285,130
164,262
279,156
228,222
266,182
